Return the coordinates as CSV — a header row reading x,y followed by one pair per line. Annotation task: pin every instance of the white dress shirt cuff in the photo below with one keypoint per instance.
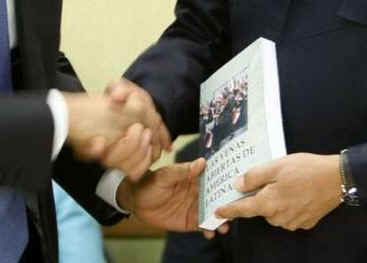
x,y
60,114
108,186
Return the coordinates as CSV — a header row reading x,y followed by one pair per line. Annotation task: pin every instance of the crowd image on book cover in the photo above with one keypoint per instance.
x,y
224,116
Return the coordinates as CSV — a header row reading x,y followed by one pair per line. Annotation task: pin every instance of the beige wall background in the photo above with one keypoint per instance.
x,y
103,37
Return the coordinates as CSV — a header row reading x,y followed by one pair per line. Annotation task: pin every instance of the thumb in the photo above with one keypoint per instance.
x,y
94,149
181,171
254,179
247,207
197,167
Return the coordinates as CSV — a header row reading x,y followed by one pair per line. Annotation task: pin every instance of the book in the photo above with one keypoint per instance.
x,y
240,125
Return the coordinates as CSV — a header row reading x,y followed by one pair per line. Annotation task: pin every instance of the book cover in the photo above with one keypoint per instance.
x,y
240,125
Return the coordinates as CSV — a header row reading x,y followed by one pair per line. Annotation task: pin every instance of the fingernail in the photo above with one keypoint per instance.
x,y
239,183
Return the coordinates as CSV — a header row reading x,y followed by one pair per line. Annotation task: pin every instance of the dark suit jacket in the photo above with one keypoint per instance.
x,y
27,127
322,57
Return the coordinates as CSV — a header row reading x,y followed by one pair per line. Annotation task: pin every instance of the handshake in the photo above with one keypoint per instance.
x,y
122,129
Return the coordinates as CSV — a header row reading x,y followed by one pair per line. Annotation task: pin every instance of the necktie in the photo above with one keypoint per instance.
x,y
13,221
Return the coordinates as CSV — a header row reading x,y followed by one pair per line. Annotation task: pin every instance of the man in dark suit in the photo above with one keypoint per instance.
x,y
33,131
322,66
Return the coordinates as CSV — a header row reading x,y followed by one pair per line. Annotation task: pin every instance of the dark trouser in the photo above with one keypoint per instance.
x,y
340,237
194,248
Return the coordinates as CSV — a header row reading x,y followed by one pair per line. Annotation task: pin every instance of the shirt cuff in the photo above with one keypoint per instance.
x,y
60,114
107,188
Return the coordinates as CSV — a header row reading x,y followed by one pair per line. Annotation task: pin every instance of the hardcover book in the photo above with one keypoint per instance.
x,y
240,125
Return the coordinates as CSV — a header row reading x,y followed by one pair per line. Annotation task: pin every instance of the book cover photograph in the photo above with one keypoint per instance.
x,y
240,125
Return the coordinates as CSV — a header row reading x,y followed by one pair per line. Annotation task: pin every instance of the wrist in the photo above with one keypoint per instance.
x,y
73,102
124,196
334,179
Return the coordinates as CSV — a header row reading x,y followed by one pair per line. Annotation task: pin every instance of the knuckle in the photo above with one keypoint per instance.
x,y
136,130
292,228
270,211
108,89
311,225
273,222
146,95
307,227
140,106
124,82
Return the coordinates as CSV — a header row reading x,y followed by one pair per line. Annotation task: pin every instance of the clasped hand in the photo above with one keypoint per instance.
x,y
121,128
294,192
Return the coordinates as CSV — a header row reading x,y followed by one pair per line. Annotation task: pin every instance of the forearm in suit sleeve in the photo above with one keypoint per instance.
x,y
80,179
188,51
26,128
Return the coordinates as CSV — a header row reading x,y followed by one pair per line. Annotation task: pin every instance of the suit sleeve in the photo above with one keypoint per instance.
x,y
26,128
80,179
171,70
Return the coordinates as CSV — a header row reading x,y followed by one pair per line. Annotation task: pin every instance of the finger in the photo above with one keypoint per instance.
x,y
136,165
110,86
284,217
189,170
223,229
308,224
197,167
161,138
143,166
142,101
296,220
277,221
128,83
255,178
95,148
143,93
247,207
193,214
165,138
146,112
118,92
156,148
179,172
141,152
209,234
126,146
